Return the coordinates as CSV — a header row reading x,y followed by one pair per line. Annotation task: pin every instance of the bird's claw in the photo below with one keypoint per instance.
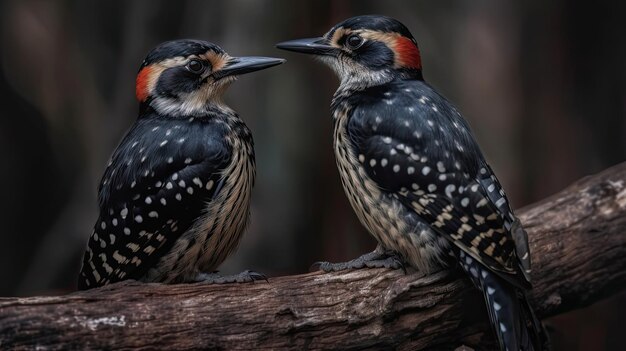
x,y
254,276
316,266
246,276
389,260
335,267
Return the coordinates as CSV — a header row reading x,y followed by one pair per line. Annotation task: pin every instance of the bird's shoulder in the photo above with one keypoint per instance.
x,y
411,113
155,149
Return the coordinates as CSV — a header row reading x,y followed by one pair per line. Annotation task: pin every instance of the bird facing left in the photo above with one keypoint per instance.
x,y
174,199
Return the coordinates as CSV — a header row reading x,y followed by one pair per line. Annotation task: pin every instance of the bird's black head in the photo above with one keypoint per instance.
x,y
365,50
183,77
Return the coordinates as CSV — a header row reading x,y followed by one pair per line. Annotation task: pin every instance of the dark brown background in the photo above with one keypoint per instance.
x,y
543,85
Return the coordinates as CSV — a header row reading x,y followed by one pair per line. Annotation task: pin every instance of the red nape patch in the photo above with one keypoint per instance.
x,y
408,55
141,84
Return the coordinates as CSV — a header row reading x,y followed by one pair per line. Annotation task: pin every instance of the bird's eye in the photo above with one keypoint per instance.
x,y
354,41
195,66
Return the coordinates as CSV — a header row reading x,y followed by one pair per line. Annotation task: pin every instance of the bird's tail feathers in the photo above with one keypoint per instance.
x,y
536,330
511,316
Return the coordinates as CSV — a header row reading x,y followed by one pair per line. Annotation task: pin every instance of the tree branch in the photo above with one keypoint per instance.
x,y
577,238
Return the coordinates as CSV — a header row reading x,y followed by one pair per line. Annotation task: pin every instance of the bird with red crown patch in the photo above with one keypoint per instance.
x,y
415,175
174,199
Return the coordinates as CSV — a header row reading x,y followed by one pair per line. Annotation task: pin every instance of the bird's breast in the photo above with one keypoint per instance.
x,y
216,232
227,216
364,195
391,223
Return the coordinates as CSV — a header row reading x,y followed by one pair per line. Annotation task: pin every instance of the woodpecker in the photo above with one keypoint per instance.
x,y
415,175
175,196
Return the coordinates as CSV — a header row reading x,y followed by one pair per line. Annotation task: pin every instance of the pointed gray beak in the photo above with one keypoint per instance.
x,y
242,65
315,46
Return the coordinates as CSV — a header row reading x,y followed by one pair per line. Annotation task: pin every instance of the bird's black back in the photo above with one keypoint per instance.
x,y
159,181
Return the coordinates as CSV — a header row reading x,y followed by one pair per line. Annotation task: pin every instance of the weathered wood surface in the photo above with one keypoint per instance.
x,y
578,242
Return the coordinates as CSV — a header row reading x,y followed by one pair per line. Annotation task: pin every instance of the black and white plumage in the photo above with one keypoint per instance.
x,y
415,175
174,199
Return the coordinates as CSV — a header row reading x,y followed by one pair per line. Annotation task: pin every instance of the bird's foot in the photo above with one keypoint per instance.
x,y
374,259
246,276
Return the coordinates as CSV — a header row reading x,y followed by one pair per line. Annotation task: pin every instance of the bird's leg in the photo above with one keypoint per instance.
x,y
246,276
379,258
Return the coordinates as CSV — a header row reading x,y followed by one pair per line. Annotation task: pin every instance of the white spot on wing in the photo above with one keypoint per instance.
x,y
501,201
449,189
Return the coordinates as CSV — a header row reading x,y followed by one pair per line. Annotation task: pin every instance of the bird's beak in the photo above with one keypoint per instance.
x,y
315,46
242,65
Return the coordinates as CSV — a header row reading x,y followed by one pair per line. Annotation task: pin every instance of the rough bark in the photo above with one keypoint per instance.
x,y
577,237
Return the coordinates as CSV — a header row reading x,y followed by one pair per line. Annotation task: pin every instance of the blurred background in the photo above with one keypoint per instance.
x,y
543,84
